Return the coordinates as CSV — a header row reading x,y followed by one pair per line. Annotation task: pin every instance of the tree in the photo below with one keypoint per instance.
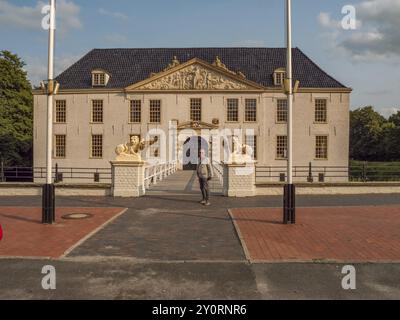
x,y
395,118
372,137
392,142
367,129
16,106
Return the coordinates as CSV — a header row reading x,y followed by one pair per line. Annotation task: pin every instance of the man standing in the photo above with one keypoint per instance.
x,y
205,174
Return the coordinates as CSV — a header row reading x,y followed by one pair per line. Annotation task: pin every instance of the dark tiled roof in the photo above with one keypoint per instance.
x,y
129,66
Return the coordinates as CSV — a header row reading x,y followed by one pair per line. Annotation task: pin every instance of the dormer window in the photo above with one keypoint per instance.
x,y
99,78
279,76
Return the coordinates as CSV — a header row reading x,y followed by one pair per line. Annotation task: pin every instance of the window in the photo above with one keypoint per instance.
x,y
155,148
60,143
99,79
136,111
252,142
195,109
97,146
97,111
233,110
155,111
61,111
281,147
279,77
250,113
281,111
321,110
321,147
232,142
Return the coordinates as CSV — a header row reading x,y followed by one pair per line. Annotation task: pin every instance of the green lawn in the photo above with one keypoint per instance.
x,y
374,171
378,164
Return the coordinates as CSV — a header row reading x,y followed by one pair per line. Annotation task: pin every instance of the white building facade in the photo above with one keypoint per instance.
x,y
183,95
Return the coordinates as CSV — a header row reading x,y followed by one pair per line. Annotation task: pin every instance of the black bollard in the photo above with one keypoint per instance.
x,y
289,204
48,204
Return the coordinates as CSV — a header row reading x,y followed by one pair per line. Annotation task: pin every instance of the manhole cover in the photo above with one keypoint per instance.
x,y
77,216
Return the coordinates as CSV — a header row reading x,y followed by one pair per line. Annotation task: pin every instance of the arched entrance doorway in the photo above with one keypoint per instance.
x,y
191,151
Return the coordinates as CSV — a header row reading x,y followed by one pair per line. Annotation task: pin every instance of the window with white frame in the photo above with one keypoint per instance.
x,y
321,147
99,78
97,146
155,148
97,111
250,112
232,110
61,111
321,110
251,141
195,109
279,77
155,111
136,111
60,146
281,111
281,147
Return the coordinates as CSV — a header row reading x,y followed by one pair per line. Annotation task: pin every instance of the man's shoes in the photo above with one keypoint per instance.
x,y
203,202
207,204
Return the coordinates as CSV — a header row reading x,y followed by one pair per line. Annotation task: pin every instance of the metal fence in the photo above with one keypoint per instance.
x,y
218,171
60,174
364,172
354,173
372,172
158,172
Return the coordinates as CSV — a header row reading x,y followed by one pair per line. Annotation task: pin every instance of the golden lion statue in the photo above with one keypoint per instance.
x,y
131,151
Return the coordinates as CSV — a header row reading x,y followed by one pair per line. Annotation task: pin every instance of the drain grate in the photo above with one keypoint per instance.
x,y
77,216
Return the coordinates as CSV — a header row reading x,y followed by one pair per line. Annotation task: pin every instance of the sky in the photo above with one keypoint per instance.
x,y
366,59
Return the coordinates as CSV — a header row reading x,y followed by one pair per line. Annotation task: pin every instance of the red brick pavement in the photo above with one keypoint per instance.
x,y
343,234
25,236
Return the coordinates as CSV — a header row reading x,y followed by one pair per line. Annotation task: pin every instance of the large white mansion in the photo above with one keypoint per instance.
x,y
112,94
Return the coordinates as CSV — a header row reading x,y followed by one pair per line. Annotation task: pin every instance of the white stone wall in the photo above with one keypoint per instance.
x,y
116,127
127,179
239,180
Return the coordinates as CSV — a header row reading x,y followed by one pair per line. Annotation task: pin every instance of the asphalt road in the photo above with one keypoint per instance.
x,y
99,278
170,247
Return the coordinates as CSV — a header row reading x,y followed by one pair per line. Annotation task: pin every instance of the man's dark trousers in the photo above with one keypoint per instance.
x,y
205,189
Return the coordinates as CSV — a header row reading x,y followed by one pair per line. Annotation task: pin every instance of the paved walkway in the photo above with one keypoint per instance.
x,y
183,183
352,234
25,236
169,247
169,224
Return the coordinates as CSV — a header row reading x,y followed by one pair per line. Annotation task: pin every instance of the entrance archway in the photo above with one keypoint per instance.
x,y
191,151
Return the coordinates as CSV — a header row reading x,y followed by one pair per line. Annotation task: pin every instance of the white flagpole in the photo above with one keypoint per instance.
x,y
290,189
50,94
48,196
289,76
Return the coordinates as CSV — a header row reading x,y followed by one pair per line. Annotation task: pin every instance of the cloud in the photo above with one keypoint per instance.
x,y
326,21
115,15
389,111
26,17
377,35
37,68
116,39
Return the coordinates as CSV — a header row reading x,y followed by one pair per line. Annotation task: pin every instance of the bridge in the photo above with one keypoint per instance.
x,y
182,183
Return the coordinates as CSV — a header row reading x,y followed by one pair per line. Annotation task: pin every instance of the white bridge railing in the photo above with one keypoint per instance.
x,y
218,171
158,172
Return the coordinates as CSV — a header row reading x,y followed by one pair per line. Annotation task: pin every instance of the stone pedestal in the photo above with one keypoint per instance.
x,y
128,178
239,179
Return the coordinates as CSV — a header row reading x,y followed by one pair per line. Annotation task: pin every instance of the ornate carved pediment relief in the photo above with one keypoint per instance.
x,y
195,75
